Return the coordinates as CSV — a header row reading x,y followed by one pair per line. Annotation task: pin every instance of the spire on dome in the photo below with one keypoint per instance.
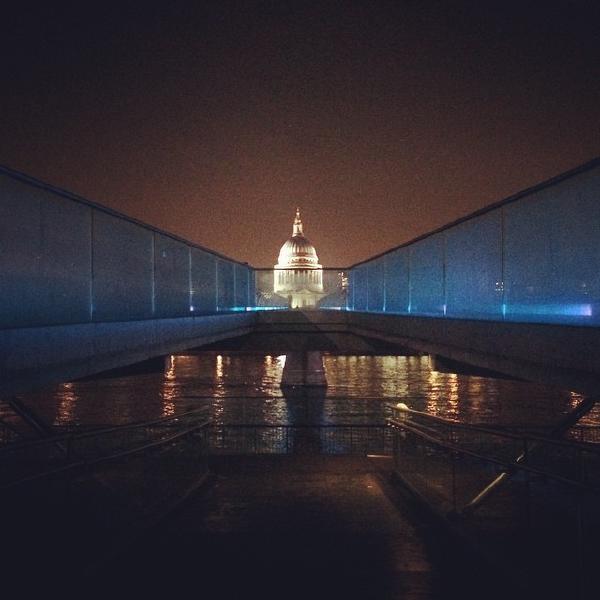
x,y
298,223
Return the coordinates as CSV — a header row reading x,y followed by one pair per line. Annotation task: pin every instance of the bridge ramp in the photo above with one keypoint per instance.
x,y
299,527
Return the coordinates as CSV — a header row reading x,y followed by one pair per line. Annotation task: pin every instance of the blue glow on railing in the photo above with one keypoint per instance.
x,y
567,310
533,258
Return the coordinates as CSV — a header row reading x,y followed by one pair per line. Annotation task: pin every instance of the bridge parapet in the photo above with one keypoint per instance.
x,y
85,288
533,257
65,260
84,285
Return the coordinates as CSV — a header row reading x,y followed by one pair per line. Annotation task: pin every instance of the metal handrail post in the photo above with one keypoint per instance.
x,y
528,512
580,534
454,500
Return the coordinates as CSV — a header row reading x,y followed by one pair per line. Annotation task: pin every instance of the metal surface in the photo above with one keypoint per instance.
x,y
540,525
32,461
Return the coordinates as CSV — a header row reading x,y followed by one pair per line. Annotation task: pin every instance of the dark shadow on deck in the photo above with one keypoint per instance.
x,y
290,527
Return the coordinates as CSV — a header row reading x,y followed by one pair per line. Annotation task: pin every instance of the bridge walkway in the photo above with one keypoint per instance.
x,y
298,527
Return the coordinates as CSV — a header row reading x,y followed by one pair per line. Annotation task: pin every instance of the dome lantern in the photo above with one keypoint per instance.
x,y
297,230
298,252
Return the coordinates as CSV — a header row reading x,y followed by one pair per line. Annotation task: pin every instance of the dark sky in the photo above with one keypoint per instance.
x,y
381,120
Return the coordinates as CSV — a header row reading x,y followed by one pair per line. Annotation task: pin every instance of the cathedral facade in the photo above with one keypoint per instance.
x,y
298,276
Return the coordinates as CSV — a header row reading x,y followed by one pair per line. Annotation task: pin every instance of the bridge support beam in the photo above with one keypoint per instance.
x,y
304,369
38,356
441,364
568,357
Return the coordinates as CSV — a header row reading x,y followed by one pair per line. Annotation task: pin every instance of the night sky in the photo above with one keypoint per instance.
x,y
381,120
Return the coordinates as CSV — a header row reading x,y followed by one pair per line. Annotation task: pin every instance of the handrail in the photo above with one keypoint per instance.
x,y
595,162
33,181
204,424
106,430
501,433
295,426
459,424
95,432
498,461
101,459
566,423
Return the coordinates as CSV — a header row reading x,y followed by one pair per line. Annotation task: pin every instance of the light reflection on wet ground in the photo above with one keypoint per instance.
x,y
244,388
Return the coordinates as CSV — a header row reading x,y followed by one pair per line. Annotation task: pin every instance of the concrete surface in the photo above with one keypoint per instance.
x,y
289,527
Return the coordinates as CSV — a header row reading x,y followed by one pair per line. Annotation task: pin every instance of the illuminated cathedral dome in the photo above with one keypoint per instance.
x,y
297,251
298,276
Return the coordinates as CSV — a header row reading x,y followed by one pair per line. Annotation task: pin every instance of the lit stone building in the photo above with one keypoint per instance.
x,y
298,276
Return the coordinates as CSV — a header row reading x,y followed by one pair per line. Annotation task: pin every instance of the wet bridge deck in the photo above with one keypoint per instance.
x,y
298,527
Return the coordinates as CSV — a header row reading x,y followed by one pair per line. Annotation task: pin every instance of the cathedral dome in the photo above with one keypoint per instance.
x,y
297,252
298,276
